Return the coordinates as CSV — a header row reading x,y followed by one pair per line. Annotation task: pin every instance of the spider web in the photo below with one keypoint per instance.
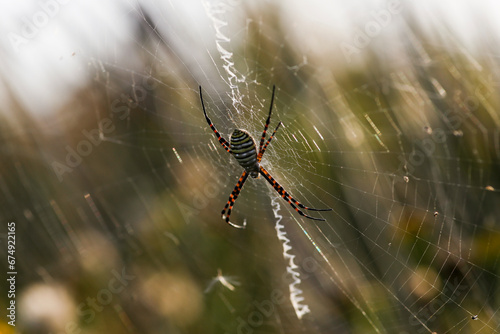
x,y
388,119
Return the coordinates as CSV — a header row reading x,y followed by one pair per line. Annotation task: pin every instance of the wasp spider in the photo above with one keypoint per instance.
x,y
242,147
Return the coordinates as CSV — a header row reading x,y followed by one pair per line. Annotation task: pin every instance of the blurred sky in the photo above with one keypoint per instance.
x,y
47,45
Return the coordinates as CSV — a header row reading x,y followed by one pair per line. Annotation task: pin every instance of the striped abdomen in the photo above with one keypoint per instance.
x,y
244,150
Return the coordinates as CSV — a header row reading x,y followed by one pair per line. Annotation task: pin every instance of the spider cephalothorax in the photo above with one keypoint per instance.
x,y
243,148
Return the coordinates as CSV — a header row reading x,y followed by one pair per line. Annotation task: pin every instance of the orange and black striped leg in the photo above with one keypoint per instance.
x,y
232,199
263,138
221,139
292,201
261,153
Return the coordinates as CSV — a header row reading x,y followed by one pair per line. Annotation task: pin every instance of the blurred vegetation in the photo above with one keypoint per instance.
x,y
130,240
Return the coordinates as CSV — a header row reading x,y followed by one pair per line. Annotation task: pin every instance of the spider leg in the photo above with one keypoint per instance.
x,y
232,199
292,201
261,153
267,121
221,139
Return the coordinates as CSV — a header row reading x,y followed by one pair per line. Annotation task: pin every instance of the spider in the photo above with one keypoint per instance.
x,y
242,146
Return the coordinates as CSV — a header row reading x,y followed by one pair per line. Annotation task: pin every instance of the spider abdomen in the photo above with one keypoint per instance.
x,y
243,148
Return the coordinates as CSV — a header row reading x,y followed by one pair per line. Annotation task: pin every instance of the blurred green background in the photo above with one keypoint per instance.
x,y
115,181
